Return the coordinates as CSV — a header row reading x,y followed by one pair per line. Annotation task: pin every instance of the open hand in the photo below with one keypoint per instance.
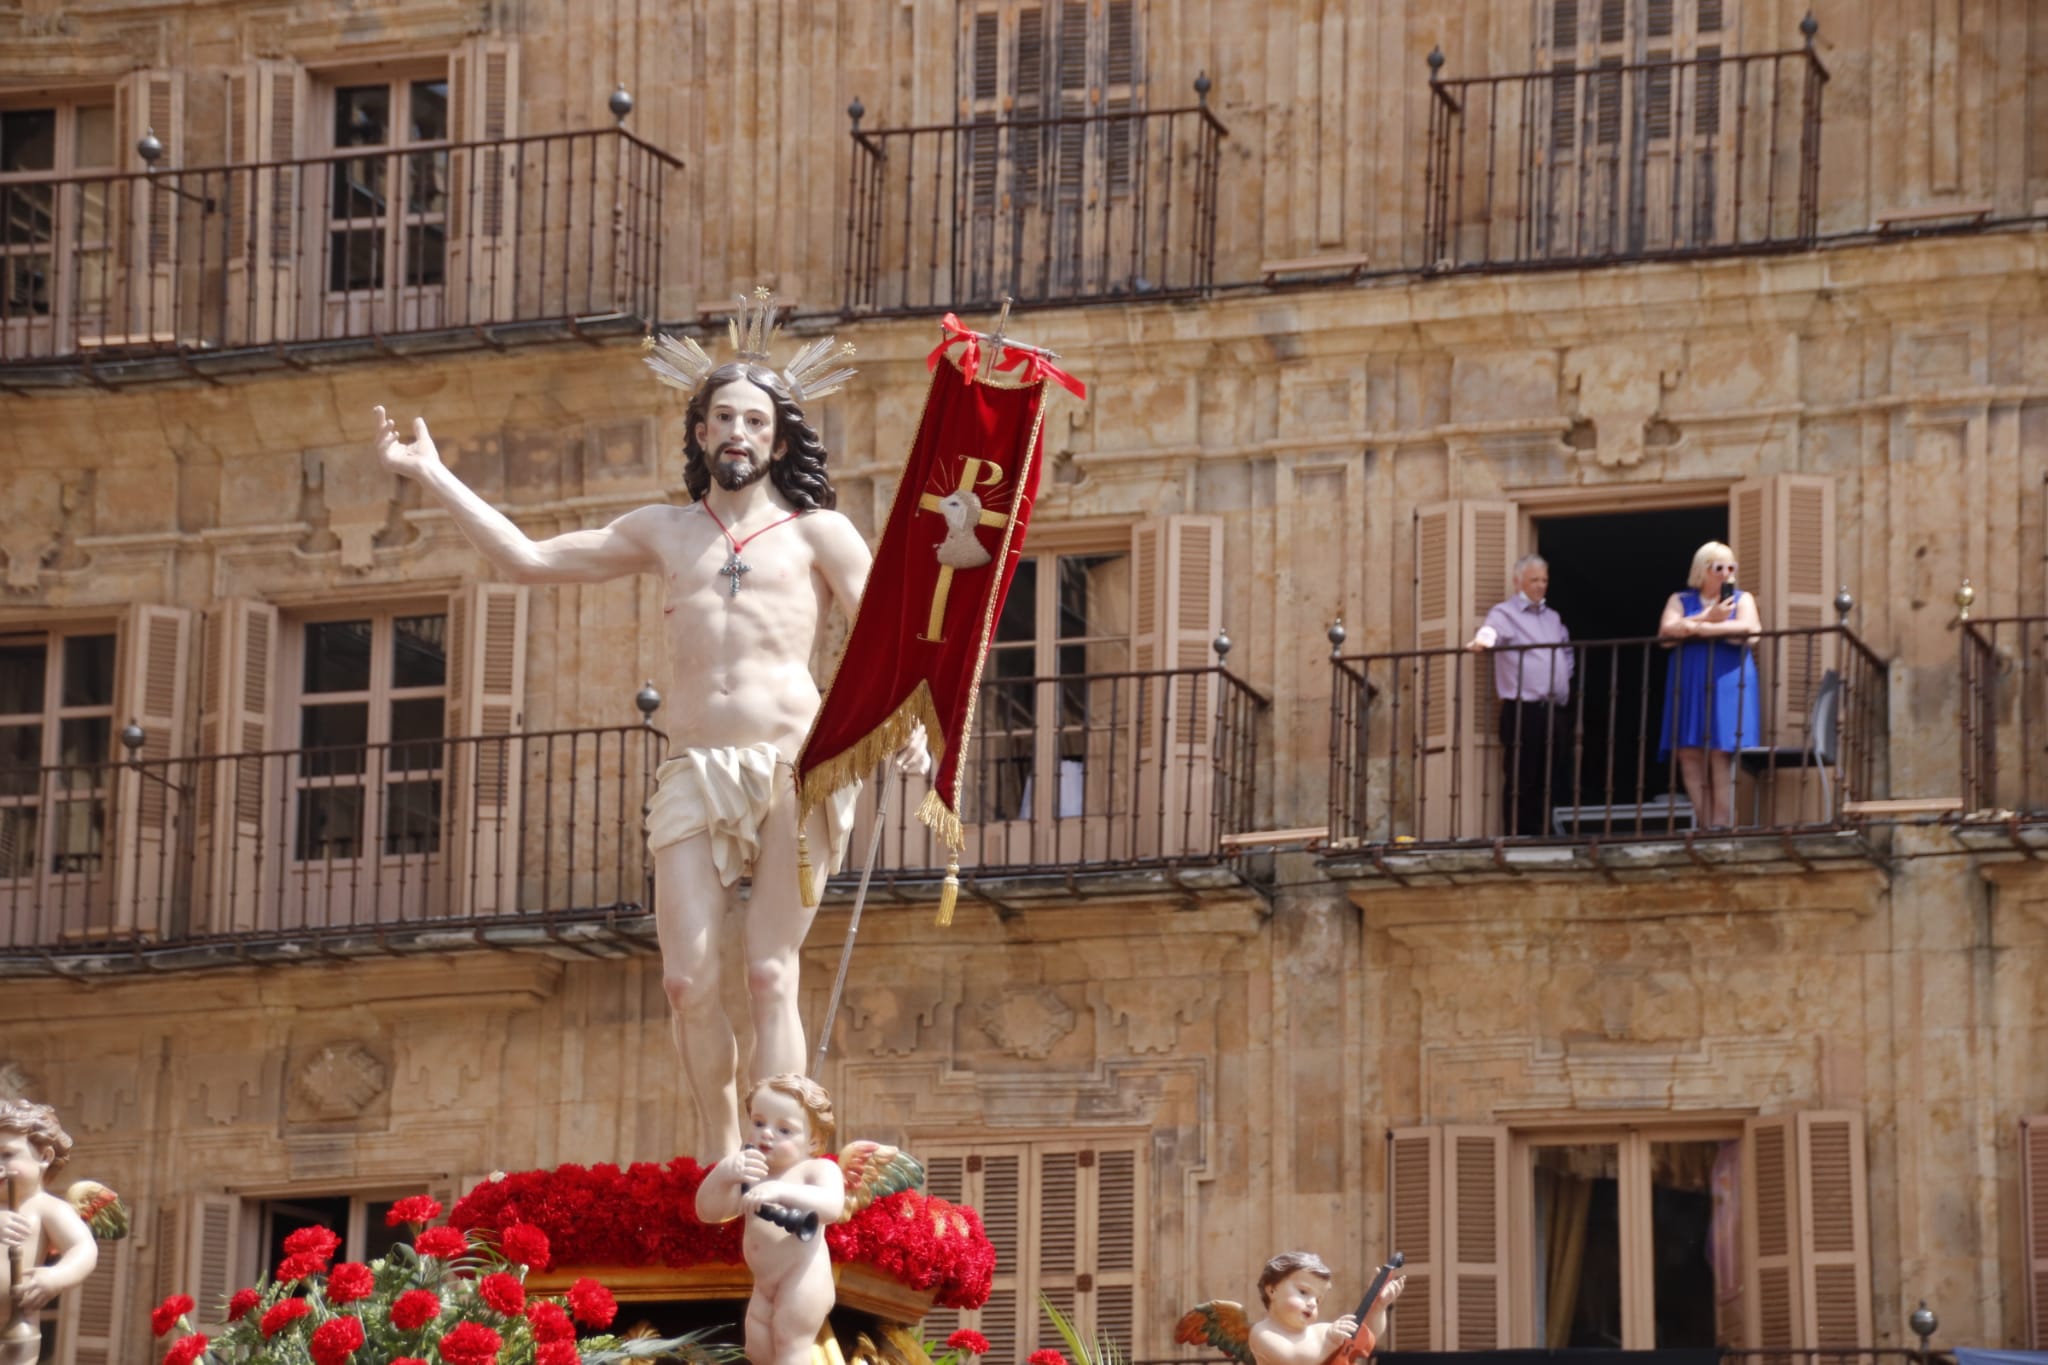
x,y
1378,1321
410,458
916,755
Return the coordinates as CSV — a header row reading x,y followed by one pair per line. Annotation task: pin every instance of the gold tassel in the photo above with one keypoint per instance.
x,y
949,892
806,876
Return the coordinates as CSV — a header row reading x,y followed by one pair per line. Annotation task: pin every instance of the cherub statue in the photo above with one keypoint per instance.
x,y
34,1223
784,1179
1291,1287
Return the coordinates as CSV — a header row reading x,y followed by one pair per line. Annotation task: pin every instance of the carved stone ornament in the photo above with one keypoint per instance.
x,y
13,1083
338,1082
1027,1023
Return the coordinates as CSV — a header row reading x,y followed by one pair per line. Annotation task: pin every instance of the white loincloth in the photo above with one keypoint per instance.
x,y
726,793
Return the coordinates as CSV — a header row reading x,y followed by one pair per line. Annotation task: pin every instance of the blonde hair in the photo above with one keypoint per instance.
x,y
38,1123
808,1093
1705,555
1285,1264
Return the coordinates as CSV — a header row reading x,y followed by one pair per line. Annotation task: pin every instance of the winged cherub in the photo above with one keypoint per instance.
x,y
784,1180
35,1223
1291,1287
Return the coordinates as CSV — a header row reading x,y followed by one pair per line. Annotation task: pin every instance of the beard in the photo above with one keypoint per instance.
x,y
733,475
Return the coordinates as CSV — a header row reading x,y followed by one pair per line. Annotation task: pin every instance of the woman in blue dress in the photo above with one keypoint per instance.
x,y
1711,706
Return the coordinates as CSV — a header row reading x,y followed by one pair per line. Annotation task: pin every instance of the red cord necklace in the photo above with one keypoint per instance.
x,y
734,566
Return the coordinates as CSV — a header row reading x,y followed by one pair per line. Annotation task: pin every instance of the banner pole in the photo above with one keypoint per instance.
x,y
860,899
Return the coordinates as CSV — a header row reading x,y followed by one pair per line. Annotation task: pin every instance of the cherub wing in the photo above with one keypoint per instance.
x,y
1220,1324
875,1170
101,1209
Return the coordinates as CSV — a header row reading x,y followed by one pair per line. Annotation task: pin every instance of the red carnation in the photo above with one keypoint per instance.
x,y
283,1314
446,1243
165,1315
549,1322
349,1281
185,1350
524,1244
317,1242
502,1292
415,1309
968,1340
414,1208
408,1360
557,1353
1045,1355
241,1303
592,1303
335,1340
471,1343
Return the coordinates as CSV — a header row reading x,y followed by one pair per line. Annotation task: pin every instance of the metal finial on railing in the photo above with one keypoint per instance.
x,y
150,148
133,737
1965,595
856,111
1923,1322
1202,88
1436,62
1844,604
621,103
648,700
1336,637
1809,26
1221,644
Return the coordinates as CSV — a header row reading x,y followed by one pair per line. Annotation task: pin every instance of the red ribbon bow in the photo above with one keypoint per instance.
x,y
1032,366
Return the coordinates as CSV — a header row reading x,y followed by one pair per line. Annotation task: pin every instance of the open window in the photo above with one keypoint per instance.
x,y
1610,574
1652,1235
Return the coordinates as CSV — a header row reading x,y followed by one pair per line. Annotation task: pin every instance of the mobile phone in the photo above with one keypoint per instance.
x,y
1727,590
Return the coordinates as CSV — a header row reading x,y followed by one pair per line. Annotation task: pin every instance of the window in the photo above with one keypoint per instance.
x,y
388,208
56,730
372,701
357,1219
48,227
1064,1216
1049,702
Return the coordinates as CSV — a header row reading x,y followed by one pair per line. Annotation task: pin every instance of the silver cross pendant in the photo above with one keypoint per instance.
x,y
732,570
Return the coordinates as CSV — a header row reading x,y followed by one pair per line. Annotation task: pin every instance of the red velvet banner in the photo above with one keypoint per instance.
x,y
946,557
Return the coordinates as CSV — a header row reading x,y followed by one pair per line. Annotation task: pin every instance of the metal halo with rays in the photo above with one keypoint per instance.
x,y
682,364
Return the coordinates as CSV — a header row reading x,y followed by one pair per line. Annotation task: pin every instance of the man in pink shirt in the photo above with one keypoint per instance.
x,y
1532,676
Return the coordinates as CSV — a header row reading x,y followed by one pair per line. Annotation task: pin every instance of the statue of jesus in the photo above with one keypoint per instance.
x,y
750,568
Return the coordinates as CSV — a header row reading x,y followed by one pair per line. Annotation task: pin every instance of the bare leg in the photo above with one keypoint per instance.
x,y
777,921
800,1310
1692,770
689,901
760,1333
1721,770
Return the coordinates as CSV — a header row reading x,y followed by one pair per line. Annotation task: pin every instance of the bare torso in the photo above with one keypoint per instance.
x,y
739,662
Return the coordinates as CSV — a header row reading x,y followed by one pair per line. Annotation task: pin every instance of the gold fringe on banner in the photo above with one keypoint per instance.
x,y
858,760
941,820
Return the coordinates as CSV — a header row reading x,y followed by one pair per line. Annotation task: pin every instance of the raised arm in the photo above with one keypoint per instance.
x,y
574,557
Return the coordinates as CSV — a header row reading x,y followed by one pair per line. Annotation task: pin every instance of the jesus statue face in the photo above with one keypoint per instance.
x,y
738,434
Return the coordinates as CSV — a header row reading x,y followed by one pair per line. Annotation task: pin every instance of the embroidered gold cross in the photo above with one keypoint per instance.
x,y
971,476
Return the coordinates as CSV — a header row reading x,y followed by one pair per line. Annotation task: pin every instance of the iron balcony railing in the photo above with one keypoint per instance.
x,y
1085,772
439,237
305,846
1421,750
1056,208
1712,154
2005,715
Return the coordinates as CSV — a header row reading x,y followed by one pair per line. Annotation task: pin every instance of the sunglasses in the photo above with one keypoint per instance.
x,y
1722,568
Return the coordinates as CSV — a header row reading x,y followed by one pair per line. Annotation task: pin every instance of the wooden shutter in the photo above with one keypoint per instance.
x,y
1834,1230
2034,1225
1782,530
1114,1253
156,647
1414,1182
486,703
1770,1232
1176,613
237,681
996,1189
92,1319
1058,1238
265,125
145,101
483,200
1475,1180
1462,554
199,1252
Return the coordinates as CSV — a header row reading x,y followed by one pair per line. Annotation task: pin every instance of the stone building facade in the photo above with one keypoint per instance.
x,y
1359,331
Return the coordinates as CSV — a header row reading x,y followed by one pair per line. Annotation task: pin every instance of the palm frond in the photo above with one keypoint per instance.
x,y
1102,1351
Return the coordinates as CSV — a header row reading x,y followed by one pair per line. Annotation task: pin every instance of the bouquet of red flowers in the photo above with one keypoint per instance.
x,y
455,1297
